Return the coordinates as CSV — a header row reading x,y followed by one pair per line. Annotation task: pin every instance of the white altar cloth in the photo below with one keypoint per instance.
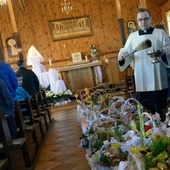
x,y
56,85
44,79
98,73
51,78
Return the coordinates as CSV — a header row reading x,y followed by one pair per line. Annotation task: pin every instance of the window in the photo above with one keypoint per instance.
x,y
168,21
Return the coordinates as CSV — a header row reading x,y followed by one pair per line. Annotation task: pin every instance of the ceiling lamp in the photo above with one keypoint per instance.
x,y
66,7
3,2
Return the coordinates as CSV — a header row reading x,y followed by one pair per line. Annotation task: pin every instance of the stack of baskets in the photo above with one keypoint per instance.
x,y
120,134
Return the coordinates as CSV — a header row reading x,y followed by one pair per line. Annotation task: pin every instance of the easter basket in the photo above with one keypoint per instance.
x,y
111,157
115,130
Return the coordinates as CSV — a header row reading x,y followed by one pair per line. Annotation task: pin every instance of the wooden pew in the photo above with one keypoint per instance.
x,y
11,149
44,106
4,164
26,131
45,101
38,112
31,120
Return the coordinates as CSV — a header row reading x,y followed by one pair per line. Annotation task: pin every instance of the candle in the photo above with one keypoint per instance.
x,y
60,76
50,62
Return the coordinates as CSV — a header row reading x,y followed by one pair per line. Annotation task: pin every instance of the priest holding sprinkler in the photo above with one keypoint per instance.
x,y
148,51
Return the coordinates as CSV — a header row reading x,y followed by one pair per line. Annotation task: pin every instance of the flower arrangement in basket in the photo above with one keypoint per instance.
x,y
145,145
94,99
52,97
96,143
98,124
105,129
154,140
91,103
157,155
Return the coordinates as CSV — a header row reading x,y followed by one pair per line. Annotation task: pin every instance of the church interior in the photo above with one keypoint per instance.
x,y
72,46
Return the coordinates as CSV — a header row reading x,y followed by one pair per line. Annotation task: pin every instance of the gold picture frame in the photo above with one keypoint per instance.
x,y
70,28
131,25
12,48
76,57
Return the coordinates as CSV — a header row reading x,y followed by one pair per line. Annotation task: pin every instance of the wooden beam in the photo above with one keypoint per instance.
x,y
22,4
119,9
142,3
11,13
122,31
121,22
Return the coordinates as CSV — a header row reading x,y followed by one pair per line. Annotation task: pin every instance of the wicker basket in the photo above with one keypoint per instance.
x,y
112,112
135,162
114,160
99,134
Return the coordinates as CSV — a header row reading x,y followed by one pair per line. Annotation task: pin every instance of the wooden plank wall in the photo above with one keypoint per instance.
x,y
33,26
165,8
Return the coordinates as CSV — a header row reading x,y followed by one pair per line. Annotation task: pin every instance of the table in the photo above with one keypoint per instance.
x,y
80,76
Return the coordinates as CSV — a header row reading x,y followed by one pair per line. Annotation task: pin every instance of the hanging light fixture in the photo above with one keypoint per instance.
x,y
3,2
66,7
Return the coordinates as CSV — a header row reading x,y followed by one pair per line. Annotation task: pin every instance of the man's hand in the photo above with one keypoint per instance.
x,y
121,57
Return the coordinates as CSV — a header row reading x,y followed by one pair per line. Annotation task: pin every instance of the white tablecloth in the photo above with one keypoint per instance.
x,y
44,79
98,73
56,85
51,78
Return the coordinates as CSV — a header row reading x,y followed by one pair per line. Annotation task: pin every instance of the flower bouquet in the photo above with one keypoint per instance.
x,y
54,98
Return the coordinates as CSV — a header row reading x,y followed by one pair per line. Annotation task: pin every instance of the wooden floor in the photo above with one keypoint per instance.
x,y
61,149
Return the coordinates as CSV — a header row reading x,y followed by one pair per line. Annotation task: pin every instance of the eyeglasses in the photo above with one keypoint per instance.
x,y
144,19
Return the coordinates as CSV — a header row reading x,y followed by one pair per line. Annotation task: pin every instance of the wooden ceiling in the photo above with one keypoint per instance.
x,y
159,2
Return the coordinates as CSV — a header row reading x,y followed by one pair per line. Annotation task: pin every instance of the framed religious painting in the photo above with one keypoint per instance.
x,y
12,48
131,25
70,28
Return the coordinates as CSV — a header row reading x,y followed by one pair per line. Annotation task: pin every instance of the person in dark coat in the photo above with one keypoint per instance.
x,y
30,81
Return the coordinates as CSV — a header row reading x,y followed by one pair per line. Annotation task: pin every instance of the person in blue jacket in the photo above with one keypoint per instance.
x,y
22,94
7,104
30,81
8,75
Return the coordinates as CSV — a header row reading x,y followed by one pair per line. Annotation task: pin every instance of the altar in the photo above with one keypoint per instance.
x,y
81,76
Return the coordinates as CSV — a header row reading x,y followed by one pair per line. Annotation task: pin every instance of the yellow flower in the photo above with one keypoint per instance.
x,y
115,146
138,150
87,92
148,133
76,95
162,166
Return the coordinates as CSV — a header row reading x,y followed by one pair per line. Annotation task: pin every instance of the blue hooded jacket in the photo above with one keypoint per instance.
x,y
9,77
7,103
